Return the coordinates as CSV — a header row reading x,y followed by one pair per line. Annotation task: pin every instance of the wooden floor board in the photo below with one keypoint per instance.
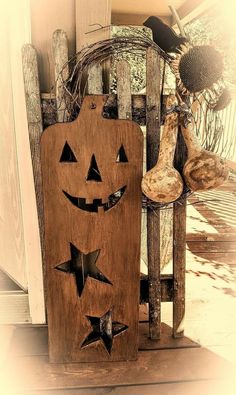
x,y
203,387
155,367
212,246
203,236
225,258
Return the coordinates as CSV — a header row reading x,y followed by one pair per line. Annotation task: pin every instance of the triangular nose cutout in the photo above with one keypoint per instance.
x,y
93,173
121,156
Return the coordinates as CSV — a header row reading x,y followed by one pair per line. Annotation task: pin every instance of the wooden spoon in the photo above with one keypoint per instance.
x,y
163,182
203,169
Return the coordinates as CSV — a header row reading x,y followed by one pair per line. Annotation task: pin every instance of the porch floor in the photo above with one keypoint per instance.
x,y
203,362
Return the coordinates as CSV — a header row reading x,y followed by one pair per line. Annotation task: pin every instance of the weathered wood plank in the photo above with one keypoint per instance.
x,y
93,240
153,218
179,261
34,116
124,90
203,236
154,367
179,247
227,258
212,246
95,84
194,387
60,55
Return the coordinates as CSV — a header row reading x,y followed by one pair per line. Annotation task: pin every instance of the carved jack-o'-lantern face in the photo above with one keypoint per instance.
x,y
91,161
93,175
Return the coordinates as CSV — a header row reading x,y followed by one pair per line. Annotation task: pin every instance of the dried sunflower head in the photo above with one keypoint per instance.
x,y
197,68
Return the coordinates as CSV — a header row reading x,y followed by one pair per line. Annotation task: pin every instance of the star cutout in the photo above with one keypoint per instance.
x,y
81,266
104,329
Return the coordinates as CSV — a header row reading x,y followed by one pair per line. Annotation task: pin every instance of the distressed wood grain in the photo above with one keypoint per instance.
x,y
153,218
34,116
34,372
179,248
124,90
60,55
112,229
179,262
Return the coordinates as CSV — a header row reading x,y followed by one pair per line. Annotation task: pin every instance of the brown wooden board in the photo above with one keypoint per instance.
x,y
92,170
218,257
35,127
152,367
153,218
205,236
179,248
192,387
212,246
179,263
33,340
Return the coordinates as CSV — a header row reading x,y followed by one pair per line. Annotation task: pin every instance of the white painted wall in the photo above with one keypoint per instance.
x,y
19,234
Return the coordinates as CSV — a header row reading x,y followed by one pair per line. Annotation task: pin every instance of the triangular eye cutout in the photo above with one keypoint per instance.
x,y
121,156
94,173
67,154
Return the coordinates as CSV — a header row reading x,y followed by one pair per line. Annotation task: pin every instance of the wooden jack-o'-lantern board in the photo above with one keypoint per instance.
x,y
92,171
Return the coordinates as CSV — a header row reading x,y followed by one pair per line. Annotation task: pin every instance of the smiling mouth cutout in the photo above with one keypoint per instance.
x,y
97,204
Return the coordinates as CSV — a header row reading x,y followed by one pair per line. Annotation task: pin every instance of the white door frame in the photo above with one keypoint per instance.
x,y
17,14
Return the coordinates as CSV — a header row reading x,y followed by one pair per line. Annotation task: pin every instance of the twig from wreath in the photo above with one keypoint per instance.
x,y
97,53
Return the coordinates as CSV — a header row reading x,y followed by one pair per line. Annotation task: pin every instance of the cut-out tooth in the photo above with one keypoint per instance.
x,y
105,200
89,201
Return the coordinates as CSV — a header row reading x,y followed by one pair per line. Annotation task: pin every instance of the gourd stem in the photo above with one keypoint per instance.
x,y
168,141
